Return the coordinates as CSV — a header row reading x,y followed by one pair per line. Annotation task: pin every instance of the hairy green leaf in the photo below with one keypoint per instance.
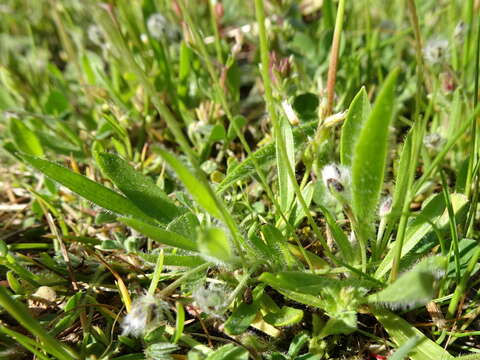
x,y
370,154
86,188
358,113
138,188
413,288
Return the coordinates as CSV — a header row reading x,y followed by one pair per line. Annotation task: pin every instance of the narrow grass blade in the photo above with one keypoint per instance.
x,y
339,236
86,188
138,188
402,352
357,115
370,154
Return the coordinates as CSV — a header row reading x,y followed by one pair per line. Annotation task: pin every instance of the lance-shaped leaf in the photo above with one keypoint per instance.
x,y
370,154
25,139
358,113
213,242
86,188
140,189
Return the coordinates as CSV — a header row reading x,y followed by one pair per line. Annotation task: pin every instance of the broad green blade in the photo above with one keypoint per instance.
x,y
370,154
286,316
285,185
160,235
140,189
25,139
195,187
401,331
86,188
230,352
241,318
213,242
358,113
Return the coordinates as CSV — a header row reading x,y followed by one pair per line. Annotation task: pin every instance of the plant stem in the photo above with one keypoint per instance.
x,y
107,21
332,68
156,274
223,100
214,22
170,288
462,285
474,144
260,14
416,144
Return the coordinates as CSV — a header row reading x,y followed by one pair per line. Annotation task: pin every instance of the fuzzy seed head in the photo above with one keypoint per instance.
x,y
435,51
157,25
211,300
147,313
96,35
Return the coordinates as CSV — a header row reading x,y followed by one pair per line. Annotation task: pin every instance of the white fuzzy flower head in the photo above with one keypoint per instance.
x,y
96,35
211,300
385,206
436,51
157,24
147,312
337,179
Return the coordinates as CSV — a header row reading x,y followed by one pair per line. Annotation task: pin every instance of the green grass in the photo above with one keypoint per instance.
x,y
239,179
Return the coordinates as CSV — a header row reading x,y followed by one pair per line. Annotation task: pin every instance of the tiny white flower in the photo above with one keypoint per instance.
x,y
157,24
385,206
146,313
435,51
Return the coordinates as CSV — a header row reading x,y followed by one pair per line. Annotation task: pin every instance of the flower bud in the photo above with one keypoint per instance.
x,y
336,178
385,206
